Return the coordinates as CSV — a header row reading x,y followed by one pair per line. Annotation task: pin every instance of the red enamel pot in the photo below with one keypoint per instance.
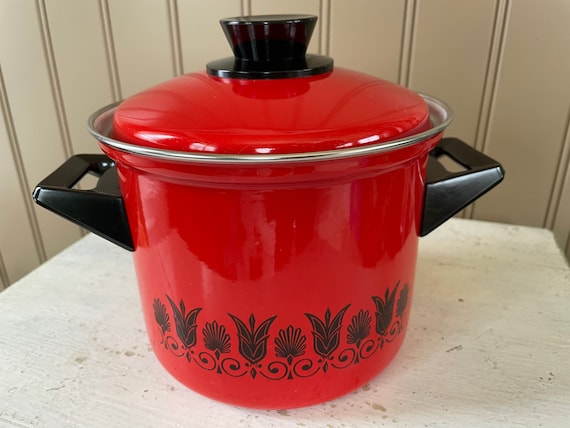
x,y
274,204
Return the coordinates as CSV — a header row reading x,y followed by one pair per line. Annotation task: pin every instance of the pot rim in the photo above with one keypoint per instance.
x,y
100,125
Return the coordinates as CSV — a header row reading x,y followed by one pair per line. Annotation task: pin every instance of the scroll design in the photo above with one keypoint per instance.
x,y
244,349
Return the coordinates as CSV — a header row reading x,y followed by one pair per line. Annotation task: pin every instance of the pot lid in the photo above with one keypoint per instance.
x,y
271,98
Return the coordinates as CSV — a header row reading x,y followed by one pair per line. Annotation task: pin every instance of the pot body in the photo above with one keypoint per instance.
x,y
276,286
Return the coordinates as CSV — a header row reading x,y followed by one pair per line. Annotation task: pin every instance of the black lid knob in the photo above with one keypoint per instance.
x,y
269,46
269,37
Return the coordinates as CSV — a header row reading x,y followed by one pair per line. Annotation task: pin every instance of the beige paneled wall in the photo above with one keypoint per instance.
x,y
529,114
503,65
366,35
449,57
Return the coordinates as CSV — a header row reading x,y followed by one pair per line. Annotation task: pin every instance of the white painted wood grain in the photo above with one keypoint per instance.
x,y
487,344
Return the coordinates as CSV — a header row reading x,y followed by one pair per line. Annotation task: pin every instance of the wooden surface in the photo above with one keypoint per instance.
x,y
487,345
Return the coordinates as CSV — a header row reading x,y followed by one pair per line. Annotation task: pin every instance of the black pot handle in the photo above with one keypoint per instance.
x,y
100,210
446,192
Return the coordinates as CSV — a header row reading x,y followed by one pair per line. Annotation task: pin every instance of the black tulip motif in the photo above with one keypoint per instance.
x,y
384,310
326,332
185,322
253,340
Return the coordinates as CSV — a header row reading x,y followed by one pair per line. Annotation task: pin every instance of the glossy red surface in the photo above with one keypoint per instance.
x,y
276,286
200,113
270,281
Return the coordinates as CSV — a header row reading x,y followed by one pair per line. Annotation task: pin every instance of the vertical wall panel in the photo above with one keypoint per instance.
x,y
409,26
449,57
85,84
561,204
30,94
309,7
3,275
201,36
141,36
529,113
366,35
18,249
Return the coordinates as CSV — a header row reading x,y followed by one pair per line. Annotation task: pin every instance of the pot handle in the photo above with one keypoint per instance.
x,y
100,210
447,192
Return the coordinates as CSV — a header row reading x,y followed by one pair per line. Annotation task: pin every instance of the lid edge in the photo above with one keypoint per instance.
x,y
100,123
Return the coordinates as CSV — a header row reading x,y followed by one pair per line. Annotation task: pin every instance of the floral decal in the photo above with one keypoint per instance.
x,y
253,340
161,316
402,301
216,338
384,310
359,328
326,333
243,349
185,323
290,343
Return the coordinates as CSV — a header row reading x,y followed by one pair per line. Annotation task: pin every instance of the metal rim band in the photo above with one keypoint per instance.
x,y
100,124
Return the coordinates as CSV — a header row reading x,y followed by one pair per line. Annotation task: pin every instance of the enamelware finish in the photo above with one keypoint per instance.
x,y
273,204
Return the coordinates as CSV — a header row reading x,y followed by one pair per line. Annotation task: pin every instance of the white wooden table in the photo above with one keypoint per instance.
x,y
488,345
